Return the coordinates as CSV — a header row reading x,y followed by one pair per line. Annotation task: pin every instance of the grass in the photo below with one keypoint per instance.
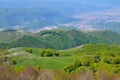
x,y
34,58
55,63
92,56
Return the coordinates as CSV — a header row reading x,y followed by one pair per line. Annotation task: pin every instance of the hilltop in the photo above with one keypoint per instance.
x,y
57,38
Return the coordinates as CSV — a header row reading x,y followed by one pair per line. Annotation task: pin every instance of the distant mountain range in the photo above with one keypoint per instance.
x,y
56,39
48,14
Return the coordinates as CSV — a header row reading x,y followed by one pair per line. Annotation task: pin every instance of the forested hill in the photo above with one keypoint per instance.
x,y
56,39
108,35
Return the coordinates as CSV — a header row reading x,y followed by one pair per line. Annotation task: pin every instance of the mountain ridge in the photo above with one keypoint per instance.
x,y
62,39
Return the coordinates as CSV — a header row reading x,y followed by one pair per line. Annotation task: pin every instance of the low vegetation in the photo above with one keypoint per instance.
x,y
55,39
88,62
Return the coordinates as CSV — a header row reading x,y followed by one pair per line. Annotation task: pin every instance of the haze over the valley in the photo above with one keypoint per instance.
x,y
36,15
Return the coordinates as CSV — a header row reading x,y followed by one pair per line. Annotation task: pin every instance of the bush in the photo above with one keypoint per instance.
x,y
116,60
29,50
86,61
73,67
14,62
107,60
49,53
97,58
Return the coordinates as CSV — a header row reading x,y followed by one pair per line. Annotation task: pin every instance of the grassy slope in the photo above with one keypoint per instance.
x,y
68,56
34,58
55,39
47,63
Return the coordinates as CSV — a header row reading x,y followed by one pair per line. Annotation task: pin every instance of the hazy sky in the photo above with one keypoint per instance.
x,y
62,4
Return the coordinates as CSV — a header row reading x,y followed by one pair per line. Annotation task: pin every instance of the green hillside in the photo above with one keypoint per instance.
x,y
93,57
91,60
55,39
112,37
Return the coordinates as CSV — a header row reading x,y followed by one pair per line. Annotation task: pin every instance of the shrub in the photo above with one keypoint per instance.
x,y
116,60
14,62
72,67
97,58
29,50
49,53
86,61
